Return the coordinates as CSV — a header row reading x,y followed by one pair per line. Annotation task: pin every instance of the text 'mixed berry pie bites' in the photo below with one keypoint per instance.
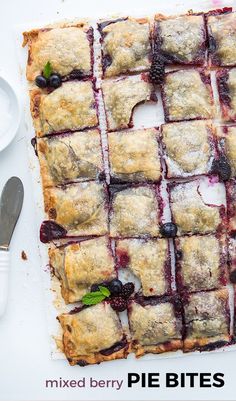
x,y
126,46
181,39
207,320
79,265
189,147
187,95
189,211
134,211
155,325
149,260
226,136
231,205
67,47
226,82
122,95
80,209
69,108
93,335
134,156
222,37
201,262
70,157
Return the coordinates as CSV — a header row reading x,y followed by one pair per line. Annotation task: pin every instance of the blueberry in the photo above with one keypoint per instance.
x,y
94,287
222,167
41,82
55,81
168,230
115,286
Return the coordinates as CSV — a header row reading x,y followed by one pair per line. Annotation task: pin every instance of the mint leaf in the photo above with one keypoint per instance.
x,y
104,291
93,298
47,71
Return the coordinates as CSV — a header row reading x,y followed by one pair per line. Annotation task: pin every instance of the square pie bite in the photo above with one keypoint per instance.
x,y
126,46
134,156
222,36
181,39
68,48
149,261
79,265
190,213
81,209
187,95
71,107
155,325
69,157
226,82
134,211
92,335
189,148
121,96
201,262
207,320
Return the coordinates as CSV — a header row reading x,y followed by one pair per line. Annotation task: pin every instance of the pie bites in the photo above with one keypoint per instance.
x,y
201,262
155,326
149,260
71,107
187,95
134,156
222,36
181,39
68,48
188,147
121,96
69,157
206,317
79,265
93,335
134,212
226,82
81,209
190,213
126,46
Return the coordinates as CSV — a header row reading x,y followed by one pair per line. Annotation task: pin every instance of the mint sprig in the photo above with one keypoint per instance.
x,y
93,298
47,70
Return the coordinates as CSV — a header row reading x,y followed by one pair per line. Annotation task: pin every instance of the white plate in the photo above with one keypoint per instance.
x,y
13,114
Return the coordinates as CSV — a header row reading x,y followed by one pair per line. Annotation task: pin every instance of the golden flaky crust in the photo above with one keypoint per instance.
x,y
79,265
90,331
121,96
69,108
127,43
187,95
188,147
181,38
134,155
70,158
206,319
154,328
66,46
79,208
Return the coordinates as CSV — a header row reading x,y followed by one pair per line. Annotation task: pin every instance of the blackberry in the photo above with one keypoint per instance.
x,y
221,167
127,290
115,286
157,70
168,230
119,304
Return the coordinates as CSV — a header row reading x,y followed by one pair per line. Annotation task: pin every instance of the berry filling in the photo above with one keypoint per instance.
x,y
50,230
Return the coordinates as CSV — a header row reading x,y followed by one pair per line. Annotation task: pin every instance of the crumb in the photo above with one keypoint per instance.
x,y
24,256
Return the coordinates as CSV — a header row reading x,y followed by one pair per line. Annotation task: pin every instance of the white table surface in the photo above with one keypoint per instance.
x,y
25,361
